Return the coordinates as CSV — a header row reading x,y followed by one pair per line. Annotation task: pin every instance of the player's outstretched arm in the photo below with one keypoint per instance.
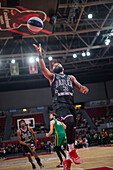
x,y
43,67
51,128
82,89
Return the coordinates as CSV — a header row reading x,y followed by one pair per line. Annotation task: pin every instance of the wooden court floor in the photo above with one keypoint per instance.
x,y
93,157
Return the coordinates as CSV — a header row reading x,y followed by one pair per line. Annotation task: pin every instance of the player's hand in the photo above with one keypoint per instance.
x,y
47,135
84,89
39,49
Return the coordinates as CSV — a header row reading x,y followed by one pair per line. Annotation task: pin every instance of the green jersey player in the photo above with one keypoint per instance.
x,y
58,128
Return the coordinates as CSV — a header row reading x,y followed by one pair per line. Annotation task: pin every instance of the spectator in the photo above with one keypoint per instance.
x,y
42,145
79,143
99,138
111,137
16,149
3,153
85,143
48,148
52,147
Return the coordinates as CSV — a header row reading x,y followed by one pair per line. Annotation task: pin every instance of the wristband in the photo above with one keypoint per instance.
x,y
40,57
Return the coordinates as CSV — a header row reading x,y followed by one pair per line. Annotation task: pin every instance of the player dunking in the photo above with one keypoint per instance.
x,y
60,136
62,86
27,139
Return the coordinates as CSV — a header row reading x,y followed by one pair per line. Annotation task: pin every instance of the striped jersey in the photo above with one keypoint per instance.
x,y
62,89
26,135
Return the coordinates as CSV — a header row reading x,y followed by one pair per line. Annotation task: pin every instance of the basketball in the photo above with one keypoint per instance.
x,y
35,25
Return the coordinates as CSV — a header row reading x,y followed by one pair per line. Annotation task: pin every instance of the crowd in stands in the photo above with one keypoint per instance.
x,y
100,115
110,117
81,122
2,126
98,120
83,139
39,128
11,148
97,114
93,137
14,146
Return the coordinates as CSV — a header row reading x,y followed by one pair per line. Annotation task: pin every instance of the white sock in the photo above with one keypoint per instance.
x,y
71,147
67,155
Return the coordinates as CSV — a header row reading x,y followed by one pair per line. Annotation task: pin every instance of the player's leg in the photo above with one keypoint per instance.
x,y
64,111
37,159
59,155
27,152
63,139
73,112
62,151
69,122
56,148
30,160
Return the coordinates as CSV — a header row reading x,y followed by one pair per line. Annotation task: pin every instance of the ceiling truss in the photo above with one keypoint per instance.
x,y
68,38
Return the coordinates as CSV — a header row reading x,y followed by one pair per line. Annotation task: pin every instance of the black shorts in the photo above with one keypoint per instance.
x,y
67,114
64,110
26,149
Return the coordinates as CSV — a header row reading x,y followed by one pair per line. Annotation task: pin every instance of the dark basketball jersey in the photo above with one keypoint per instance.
x,y
62,89
26,136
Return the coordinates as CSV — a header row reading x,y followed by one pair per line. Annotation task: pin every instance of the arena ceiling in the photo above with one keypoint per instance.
x,y
73,33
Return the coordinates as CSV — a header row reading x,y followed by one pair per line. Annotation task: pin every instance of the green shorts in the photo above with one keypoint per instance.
x,y
60,140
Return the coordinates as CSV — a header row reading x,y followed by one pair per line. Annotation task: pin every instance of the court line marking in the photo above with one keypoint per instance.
x,y
78,168
109,167
92,168
97,161
26,162
48,159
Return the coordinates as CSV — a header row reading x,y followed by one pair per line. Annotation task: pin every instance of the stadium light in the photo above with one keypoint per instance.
x,y
24,110
88,53
13,61
90,16
37,59
111,32
78,106
83,54
74,55
50,58
107,41
31,60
